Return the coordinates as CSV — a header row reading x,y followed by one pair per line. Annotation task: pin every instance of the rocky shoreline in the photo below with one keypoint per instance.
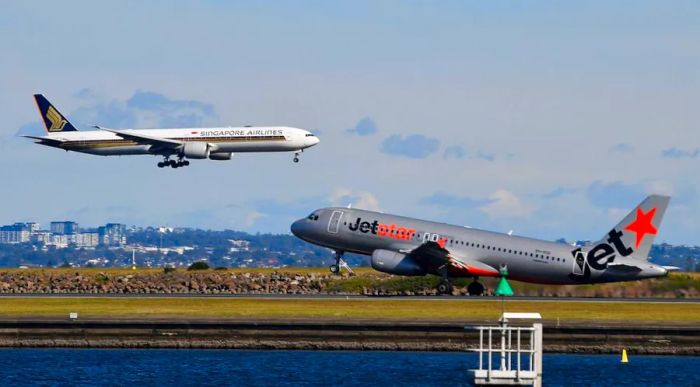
x,y
235,282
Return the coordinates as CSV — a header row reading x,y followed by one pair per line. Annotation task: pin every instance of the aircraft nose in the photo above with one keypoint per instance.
x,y
314,140
297,228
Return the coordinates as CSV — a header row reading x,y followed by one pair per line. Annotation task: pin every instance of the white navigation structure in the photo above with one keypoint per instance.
x,y
518,358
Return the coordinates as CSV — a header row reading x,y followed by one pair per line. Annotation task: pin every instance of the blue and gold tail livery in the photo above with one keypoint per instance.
x,y
54,121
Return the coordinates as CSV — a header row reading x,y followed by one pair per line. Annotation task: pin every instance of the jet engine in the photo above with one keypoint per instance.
x,y
395,263
195,150
220,156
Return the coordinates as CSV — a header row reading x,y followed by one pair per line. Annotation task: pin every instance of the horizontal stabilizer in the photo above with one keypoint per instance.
x,y
46,140
624,268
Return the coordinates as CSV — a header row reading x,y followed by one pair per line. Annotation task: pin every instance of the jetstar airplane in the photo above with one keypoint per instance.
x,y
182,144
412,247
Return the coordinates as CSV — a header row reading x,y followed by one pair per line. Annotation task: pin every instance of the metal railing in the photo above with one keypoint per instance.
x,y
525,352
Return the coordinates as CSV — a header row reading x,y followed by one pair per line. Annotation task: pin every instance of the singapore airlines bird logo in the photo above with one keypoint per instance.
x,y
57,121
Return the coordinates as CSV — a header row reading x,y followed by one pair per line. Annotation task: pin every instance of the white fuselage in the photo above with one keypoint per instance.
x,y
221,139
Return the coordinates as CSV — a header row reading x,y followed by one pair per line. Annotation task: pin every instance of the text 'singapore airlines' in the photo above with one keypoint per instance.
x,y
176,146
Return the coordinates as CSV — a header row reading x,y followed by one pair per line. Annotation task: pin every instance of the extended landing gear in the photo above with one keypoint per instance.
x,y
444,287
339,264
296,156
173,163
475,288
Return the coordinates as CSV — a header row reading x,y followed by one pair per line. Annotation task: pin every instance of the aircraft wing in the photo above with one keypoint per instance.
x,y
434,256
159,142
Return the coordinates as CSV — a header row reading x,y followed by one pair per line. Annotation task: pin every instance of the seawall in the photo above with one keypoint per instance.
x,y
331,335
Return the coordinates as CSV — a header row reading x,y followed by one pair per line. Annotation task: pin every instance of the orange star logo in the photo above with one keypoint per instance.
x,y
642,225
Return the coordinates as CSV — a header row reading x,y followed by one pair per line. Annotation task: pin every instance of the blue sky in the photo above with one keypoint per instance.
x,y
552,119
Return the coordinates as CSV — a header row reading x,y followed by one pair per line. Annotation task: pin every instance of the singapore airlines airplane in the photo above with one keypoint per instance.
x,y
182,144
406,246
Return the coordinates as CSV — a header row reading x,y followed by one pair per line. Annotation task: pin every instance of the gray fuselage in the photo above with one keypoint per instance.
x,y
531,260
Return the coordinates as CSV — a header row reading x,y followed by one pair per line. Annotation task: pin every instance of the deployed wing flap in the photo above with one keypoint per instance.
x,y
434,256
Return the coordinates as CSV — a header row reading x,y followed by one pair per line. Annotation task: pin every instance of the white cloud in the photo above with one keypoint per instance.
x,y
660,187
253,217
359,199
506,204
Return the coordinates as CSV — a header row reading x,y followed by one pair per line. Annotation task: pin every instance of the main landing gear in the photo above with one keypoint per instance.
x,y
444,287
339,264
180,162
475,288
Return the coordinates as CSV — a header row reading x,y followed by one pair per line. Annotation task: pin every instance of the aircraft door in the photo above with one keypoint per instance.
x,y
334,222
579,263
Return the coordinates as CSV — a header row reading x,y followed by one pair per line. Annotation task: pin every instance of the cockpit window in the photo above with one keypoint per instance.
x,y
309,135
313,217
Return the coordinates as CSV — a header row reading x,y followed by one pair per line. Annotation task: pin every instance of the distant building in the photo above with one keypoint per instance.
x,y
64,228
42,236
112,235
239,245
16,233
86,239
60,241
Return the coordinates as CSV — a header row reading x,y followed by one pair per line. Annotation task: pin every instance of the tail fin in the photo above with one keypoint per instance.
x,y
53,120
634,235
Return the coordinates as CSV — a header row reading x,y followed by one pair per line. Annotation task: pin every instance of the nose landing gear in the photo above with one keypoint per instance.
x,y
339,264
296,156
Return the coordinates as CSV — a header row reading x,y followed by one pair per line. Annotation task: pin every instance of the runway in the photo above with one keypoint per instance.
x,y
648,300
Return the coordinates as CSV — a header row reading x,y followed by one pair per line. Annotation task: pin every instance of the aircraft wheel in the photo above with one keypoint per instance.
x,y
296,159
161,164
475,289
185,163
173,163
444,287
335,269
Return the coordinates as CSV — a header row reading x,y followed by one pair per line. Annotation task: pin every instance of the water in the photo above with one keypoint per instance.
x,y
290,368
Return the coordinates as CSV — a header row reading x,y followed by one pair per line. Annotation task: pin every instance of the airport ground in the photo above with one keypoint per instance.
x,y
313,314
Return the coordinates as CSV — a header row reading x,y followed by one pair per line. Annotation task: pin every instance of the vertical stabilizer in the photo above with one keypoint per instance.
x,y
634,235
54,121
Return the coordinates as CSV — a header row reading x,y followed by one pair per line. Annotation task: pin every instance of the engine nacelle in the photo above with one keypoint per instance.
x,y
220,156
395,263
195,150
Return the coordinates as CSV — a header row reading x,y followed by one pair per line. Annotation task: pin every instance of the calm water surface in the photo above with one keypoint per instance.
x,y
55,367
